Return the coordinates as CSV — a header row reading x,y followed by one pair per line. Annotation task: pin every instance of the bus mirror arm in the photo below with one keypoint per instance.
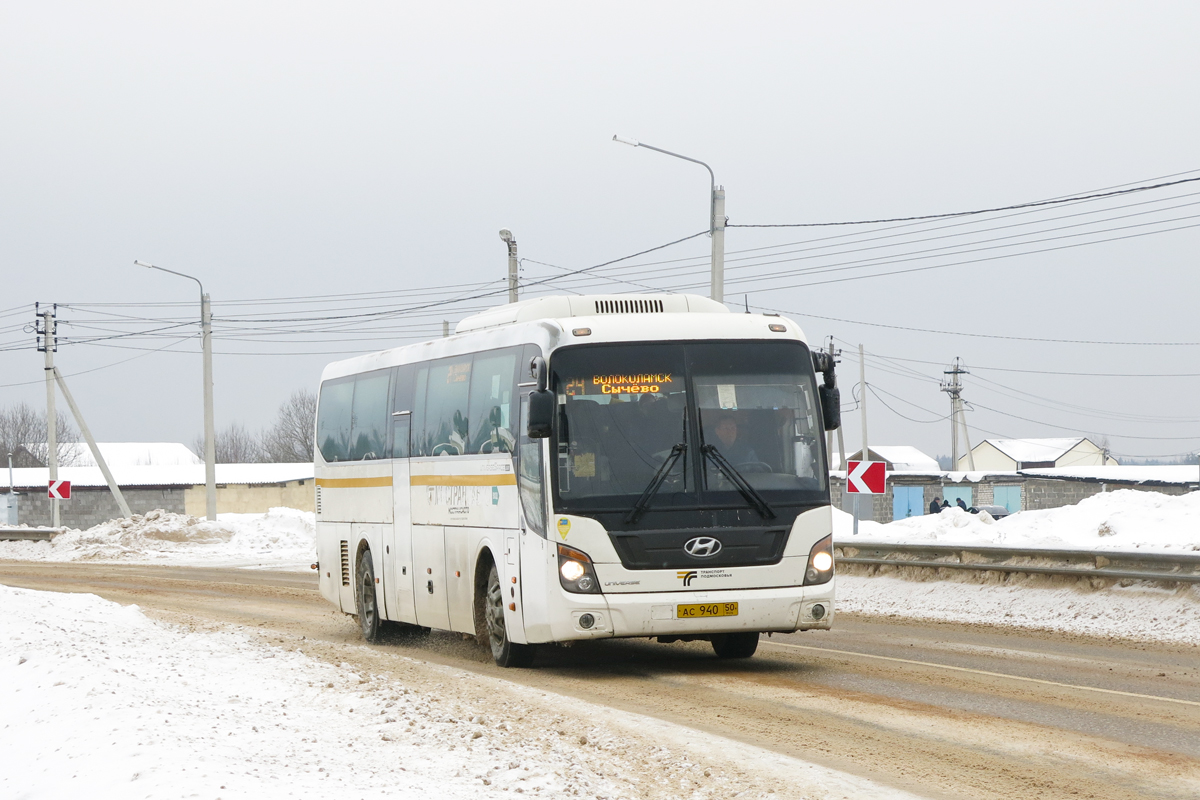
x,y
541,402
537,371
831,397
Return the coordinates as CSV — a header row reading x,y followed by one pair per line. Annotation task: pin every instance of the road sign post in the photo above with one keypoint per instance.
x,y
865,477
59,490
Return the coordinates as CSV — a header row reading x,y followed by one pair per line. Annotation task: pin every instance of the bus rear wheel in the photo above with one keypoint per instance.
x,y
735,645
365,600
504,652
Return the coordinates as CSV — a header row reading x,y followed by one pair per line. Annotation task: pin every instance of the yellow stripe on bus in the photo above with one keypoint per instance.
x,y
353,483
500,479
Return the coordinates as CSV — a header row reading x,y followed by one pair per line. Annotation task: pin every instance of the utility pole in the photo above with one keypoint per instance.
x,y
833,356
210,433
717,287
716,217
507,237
95,448
862,405
445,328
953,387
210,436
49,345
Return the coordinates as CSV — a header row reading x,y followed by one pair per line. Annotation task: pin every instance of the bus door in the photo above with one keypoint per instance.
x,y
398,578
536,556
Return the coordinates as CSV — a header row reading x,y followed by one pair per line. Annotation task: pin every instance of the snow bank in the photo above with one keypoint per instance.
x,y
101,702
1137,612
1122,520
282,538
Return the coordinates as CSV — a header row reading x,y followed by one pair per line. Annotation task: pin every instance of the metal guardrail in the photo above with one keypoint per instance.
x,y
29,534
1114,565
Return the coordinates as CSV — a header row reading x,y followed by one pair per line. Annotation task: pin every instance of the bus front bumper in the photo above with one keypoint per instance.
x,y
790,608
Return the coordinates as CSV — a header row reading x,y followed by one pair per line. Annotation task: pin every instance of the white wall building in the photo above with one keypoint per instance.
x,y
1000,455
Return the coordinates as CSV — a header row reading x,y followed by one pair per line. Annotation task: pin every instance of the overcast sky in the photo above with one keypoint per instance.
x,y
283,150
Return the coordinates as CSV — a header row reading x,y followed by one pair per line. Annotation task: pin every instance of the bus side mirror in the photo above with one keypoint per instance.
x,y
541,402
541,414
831,398
831,407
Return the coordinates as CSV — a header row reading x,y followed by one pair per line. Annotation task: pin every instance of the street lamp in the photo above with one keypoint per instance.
x,y
210,445
507,237
716,218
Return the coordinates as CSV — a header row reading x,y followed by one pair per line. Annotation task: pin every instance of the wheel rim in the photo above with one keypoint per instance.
x,y
368,603
495,614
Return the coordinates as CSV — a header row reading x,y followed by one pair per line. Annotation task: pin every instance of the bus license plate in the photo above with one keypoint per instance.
x,y
706,610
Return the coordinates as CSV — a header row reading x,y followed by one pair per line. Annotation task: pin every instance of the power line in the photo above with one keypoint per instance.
x,y
1034,204
976,335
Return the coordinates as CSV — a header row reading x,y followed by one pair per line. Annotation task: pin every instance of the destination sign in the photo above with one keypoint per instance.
x,y
642,383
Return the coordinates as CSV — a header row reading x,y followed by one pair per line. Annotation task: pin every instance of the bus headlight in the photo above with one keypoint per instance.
x,y
820,562
575,571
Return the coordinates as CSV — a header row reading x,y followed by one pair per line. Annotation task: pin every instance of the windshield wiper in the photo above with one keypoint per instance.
x,y
656,482
722,464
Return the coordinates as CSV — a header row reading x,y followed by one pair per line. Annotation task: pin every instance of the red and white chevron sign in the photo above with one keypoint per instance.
x,y
866,477
59,490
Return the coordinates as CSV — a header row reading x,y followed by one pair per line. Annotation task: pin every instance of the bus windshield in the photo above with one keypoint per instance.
x,y
693,424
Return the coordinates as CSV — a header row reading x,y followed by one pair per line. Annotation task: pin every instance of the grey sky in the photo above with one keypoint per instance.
x,y
303,149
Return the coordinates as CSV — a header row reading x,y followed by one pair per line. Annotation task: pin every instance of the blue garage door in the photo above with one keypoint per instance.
x,y
907,501
1009,497
953,493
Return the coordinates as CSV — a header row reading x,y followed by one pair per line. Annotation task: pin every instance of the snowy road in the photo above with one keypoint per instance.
x,y
939,710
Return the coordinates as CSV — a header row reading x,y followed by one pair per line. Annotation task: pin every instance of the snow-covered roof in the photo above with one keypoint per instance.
x,y
161,475
1176,473
905,458
1022,450
138,453
902,457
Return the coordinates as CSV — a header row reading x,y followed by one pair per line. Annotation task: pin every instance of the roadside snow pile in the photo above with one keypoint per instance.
x,y
1138,612
101,702
1122,520
282,538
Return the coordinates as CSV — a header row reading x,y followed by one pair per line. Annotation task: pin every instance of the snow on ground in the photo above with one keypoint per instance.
x,y
282,538
1135,612
101,702
1122,520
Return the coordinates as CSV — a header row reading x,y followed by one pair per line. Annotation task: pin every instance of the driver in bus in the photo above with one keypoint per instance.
x,y
737,451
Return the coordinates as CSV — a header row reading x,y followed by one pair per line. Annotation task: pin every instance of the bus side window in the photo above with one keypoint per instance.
x,y
446,407
368,427
402,408
333,419
530,476
420,446
491,414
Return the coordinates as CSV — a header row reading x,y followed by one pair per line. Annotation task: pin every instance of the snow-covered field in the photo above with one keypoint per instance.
x,y
1122,520
282,538
99,701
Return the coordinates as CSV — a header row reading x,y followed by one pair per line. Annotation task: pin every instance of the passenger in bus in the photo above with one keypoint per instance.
x,y
736,451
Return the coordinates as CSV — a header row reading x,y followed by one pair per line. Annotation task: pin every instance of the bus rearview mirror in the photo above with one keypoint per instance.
x,y
831,407
541,414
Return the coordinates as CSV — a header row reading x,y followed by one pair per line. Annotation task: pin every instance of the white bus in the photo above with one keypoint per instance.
x,y
569,468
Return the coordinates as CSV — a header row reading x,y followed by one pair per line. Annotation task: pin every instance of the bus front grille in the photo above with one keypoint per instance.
x,y
665,549
345,563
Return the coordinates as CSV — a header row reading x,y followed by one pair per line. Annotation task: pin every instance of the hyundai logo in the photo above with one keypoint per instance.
x,y
702,547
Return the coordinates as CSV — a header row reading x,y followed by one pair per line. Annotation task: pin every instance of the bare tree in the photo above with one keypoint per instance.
x,y
291,438
23,433
235,444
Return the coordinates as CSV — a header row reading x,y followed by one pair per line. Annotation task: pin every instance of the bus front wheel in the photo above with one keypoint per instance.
x,y
505,652
735,645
